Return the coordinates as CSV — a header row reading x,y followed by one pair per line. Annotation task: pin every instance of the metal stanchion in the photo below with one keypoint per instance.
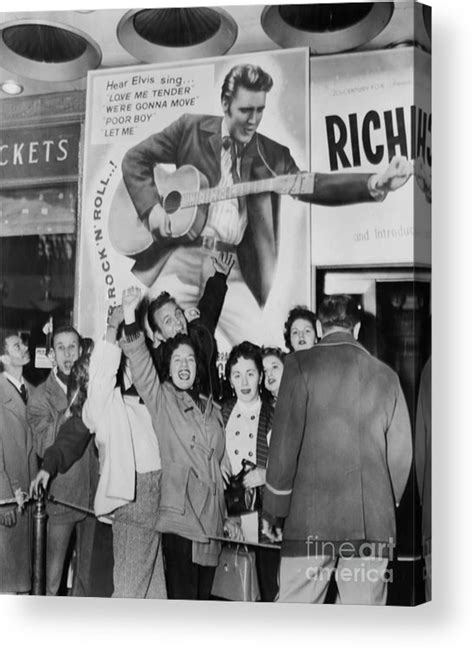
x,y
39,544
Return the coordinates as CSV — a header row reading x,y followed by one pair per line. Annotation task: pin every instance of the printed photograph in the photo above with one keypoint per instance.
x,y
215,303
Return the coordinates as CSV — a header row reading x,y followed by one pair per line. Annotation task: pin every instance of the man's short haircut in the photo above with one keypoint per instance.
x,y
163,298
297,313
4,335
339,310
65,329
246,350
250,77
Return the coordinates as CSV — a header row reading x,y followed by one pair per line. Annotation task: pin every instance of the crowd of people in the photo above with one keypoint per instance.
x,y
140,429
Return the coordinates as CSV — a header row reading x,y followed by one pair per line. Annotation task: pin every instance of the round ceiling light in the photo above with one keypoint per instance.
x,y
164,35
47,51
11,88
326,28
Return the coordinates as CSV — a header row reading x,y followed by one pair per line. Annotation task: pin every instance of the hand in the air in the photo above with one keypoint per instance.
x,y
116,317
395,175
223,263
130,300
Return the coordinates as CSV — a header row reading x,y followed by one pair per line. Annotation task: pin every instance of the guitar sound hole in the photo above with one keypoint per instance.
x,y
172,202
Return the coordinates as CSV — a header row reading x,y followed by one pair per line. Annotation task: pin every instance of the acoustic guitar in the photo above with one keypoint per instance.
x,y
186,196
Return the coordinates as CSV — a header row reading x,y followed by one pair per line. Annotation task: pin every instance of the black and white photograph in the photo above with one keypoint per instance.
x,y
216,306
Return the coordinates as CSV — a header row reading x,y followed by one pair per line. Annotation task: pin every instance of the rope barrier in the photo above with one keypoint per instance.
x,y
226,539
57,501
40,516
20,499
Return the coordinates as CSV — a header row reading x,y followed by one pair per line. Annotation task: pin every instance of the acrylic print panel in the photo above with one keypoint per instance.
x,y
367,107
125,106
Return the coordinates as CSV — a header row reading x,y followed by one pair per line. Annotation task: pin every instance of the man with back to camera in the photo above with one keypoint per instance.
x,y
228,150
338,465
45,411
17,465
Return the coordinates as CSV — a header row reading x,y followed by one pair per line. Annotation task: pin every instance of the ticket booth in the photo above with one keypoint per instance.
x,y
39,179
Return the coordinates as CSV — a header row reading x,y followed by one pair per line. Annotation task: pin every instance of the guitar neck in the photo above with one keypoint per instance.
x,y
300,183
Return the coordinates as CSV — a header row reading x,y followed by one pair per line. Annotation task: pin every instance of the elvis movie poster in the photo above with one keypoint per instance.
x,y
134,150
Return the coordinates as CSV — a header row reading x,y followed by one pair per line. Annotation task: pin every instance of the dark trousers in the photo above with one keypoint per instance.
x,y
185,579
268,563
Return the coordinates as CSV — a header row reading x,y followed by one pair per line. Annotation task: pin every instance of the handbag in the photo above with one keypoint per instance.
x,y
239,499
236,578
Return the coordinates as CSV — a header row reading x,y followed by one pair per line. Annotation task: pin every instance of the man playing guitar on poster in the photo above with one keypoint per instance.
x,y
246,172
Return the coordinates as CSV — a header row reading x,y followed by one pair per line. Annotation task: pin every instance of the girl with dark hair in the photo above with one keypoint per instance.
x,y
273,359
192,445
79,379
300,329
248,421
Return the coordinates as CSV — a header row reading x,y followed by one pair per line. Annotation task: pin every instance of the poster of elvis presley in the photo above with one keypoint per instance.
x,y
187,162
180,167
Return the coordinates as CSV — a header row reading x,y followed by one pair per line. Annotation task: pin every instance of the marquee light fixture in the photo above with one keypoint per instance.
x,y
11,87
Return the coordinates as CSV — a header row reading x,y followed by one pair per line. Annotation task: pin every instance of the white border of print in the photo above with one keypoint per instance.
x,y
81,623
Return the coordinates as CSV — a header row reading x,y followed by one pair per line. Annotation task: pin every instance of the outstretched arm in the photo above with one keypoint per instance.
x,y
69,446
212,300
348,188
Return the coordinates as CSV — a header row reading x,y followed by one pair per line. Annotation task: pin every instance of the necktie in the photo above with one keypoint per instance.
x,y
235,153
21,390
24,393
236,149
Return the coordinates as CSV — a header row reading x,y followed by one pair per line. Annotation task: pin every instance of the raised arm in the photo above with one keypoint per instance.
x,y
212,300
144,375
103,368
348,188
